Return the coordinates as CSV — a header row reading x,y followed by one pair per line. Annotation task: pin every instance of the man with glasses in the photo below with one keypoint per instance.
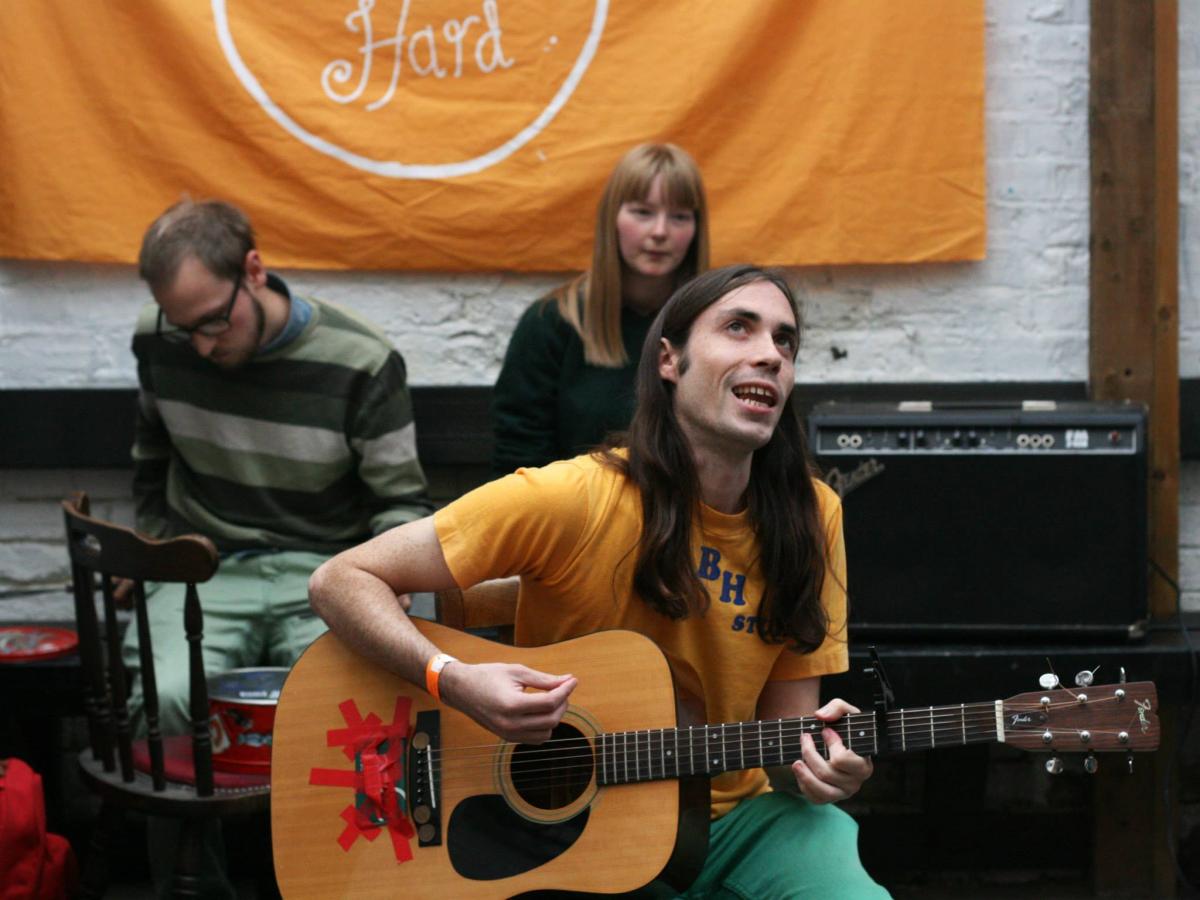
x,y
279,426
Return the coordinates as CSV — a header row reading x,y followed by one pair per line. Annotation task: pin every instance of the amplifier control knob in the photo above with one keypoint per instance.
x,y
920,437
972,439
956,439
901,439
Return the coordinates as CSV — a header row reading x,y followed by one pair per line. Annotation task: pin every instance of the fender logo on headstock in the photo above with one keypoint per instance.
x,y
1021,719
1143,707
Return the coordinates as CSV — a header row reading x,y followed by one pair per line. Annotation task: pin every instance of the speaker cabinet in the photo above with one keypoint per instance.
x,y
996,522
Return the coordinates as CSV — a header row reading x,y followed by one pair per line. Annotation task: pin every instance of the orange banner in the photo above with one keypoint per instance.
x,y
477,134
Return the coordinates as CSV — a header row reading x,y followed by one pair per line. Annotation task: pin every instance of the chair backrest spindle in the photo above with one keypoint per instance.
x,y
118,685
95,691
154,738
201,738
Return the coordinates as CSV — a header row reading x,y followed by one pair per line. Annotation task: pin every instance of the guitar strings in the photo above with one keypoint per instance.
x,y
642,744
720,739
850,721
917,719
729,734
626,771
950,723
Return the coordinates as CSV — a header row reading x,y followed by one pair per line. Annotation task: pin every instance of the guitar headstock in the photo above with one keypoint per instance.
x,y
1096,718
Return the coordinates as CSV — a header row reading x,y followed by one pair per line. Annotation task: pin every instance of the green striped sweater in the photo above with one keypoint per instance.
x,y
307,447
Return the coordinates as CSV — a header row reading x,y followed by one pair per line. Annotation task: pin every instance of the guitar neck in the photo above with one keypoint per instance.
x,y
634,756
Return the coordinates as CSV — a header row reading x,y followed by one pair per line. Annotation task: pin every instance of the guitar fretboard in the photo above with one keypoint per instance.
x,y
631,756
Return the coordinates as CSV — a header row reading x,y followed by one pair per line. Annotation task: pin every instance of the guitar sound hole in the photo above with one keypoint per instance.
x,y
554,774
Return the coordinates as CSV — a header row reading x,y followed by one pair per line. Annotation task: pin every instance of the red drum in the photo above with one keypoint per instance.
x,y
242,716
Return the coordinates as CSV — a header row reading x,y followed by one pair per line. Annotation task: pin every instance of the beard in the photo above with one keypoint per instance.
x,y
237,358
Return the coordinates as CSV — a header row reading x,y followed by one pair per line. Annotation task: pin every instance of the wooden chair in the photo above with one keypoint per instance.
x,y
170,777
490,606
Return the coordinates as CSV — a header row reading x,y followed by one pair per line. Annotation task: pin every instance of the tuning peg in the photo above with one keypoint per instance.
x,y
1129,763
1122,675
1054,765
1048,682
1086,677
1091,765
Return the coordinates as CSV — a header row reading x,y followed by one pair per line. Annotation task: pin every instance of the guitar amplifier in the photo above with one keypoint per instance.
x,y
1027,520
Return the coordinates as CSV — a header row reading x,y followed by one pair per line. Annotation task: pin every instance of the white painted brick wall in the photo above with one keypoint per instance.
x,y
1019,315
31,525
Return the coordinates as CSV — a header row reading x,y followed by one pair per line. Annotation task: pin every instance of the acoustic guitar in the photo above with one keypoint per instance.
x,y
378,791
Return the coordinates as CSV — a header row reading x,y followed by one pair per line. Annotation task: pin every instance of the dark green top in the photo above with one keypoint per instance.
x,y
549,403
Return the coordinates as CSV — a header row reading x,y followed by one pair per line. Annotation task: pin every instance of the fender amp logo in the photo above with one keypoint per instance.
x,y
411,88
844,483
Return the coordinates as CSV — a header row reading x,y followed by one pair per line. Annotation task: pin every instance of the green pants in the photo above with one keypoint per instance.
x,y
779,846
256,613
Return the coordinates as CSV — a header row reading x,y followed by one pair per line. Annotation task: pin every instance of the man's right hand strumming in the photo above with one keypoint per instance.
x,y
498,697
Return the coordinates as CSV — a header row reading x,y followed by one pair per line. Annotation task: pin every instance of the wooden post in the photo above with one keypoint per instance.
x,y
1134,355
1134,334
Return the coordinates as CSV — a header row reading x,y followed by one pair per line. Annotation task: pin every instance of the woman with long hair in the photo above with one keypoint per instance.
x,y
568,374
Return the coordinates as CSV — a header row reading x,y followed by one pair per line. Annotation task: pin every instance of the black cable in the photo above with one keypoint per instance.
x,y
1174,765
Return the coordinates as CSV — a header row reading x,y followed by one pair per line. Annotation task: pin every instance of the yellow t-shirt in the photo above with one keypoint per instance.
x,y
570,530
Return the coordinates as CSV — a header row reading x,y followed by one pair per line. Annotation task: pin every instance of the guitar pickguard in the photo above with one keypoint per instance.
x,y
487,839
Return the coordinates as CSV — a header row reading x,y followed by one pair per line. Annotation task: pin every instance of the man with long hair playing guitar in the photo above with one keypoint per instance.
x,y
702,529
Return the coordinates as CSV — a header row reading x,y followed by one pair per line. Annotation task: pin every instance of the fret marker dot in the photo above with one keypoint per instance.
x,y
714,761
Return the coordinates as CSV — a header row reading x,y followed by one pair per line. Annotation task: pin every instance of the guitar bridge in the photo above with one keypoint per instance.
x,y
425,781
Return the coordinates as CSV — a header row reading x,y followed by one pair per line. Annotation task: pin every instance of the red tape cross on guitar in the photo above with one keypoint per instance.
x,y
377,751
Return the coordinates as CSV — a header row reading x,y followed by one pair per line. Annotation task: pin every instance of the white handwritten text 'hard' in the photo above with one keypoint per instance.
x,y
421,48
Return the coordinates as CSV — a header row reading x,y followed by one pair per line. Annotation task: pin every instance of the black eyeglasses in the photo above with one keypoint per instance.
x,y
213,327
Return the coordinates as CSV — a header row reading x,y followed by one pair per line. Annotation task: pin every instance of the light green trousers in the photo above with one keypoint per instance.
x,y
256,612
778,846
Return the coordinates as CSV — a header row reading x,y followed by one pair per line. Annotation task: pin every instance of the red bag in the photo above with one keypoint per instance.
x,y
33,864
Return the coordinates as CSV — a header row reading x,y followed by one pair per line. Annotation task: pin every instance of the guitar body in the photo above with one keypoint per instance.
x,y
502,831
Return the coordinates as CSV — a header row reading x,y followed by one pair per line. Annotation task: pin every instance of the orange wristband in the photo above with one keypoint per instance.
x,y
433,671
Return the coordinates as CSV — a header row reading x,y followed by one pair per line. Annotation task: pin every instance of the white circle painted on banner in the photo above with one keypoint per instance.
x,y
395,168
